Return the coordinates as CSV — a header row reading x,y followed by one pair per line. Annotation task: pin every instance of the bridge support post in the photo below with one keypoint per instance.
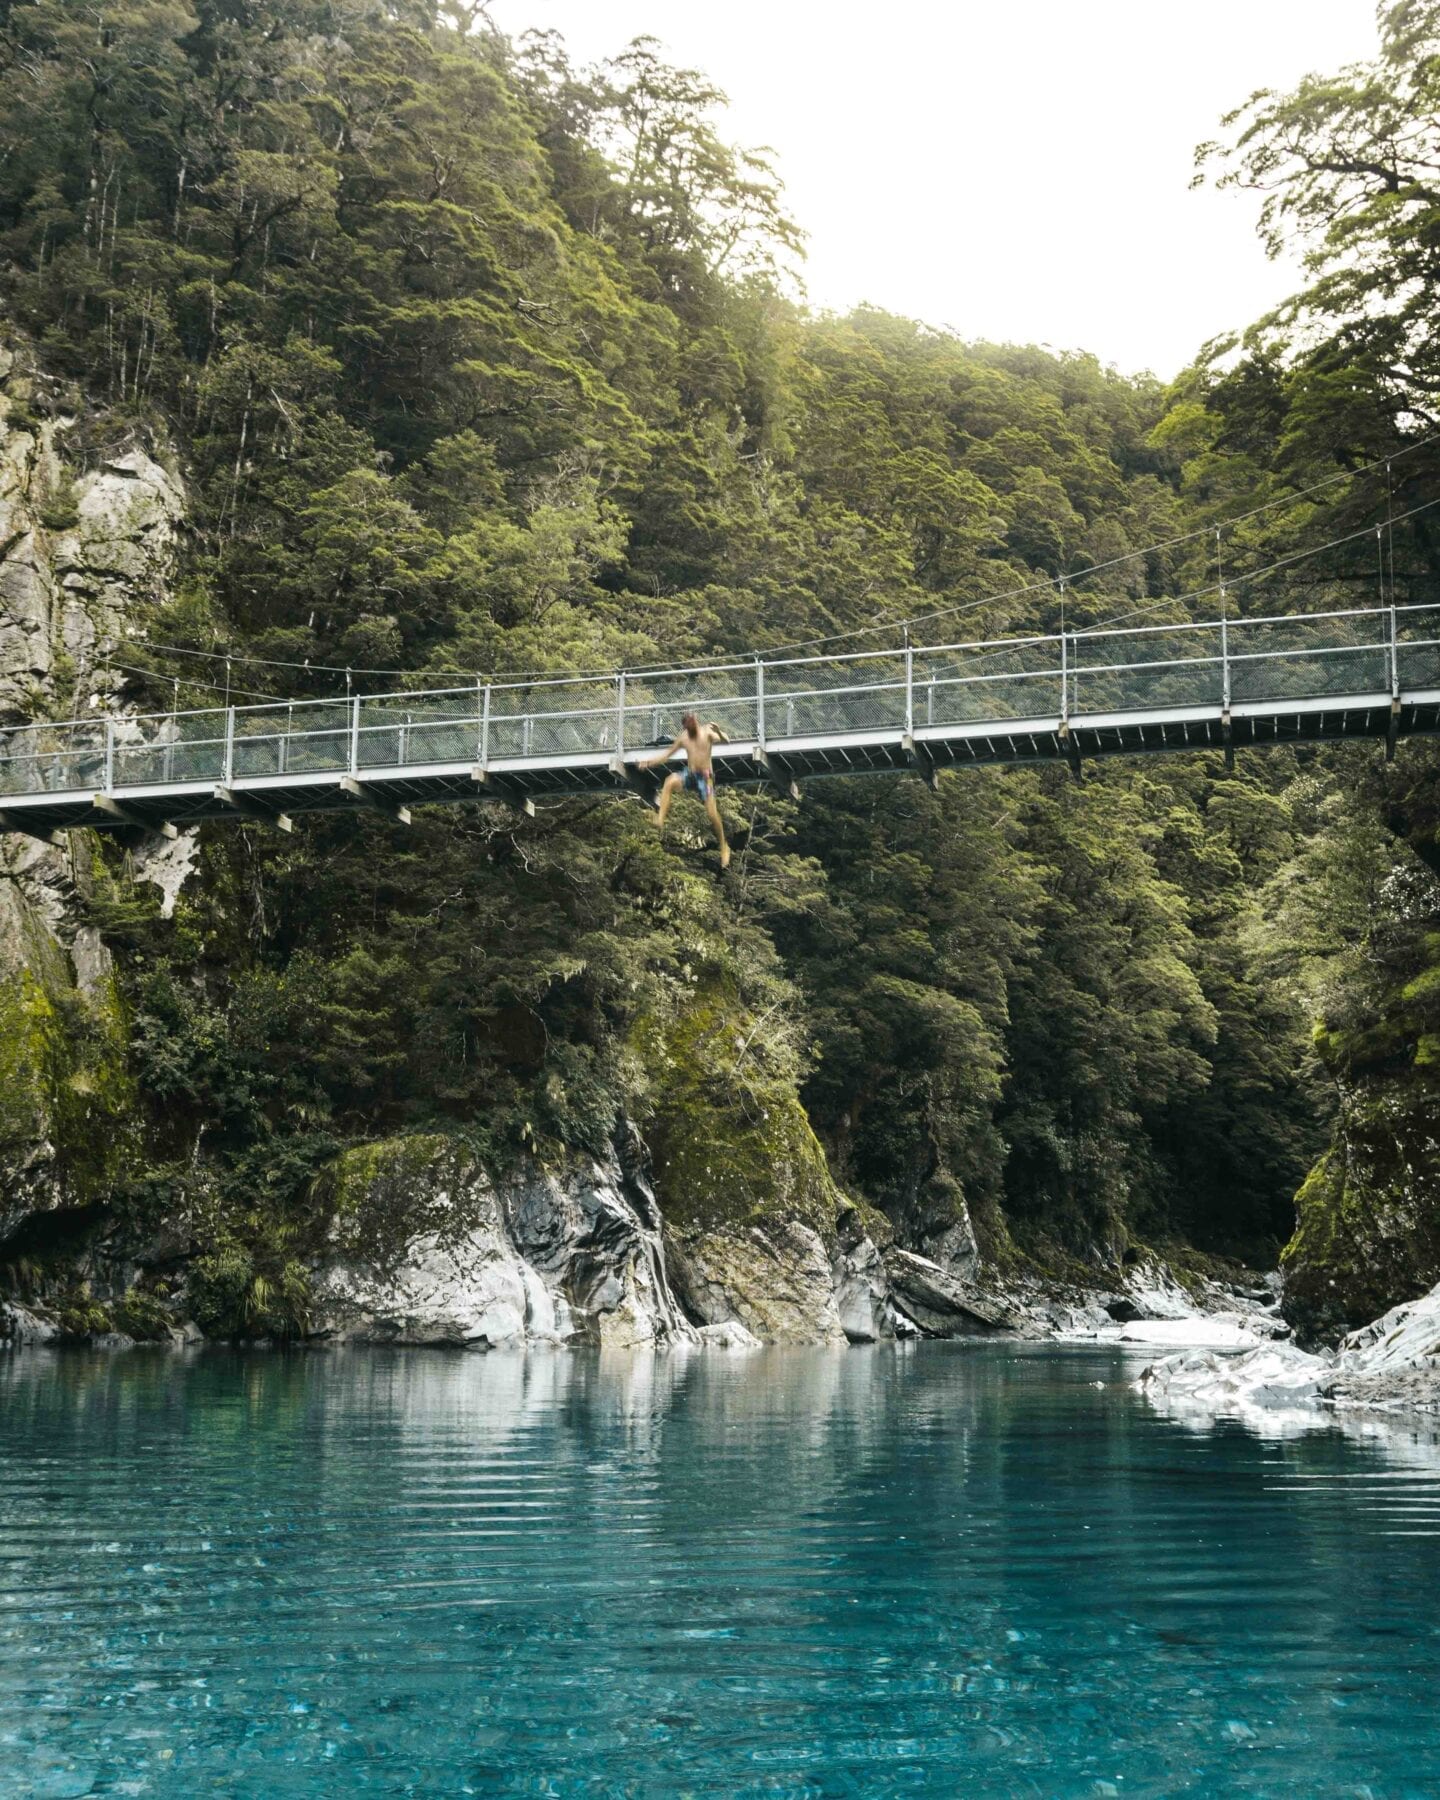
x,y
42,834
640,781
349,785
1227,737
778,778
1392,730
1394,654
502,791
109,754
125,815
249,808
921,761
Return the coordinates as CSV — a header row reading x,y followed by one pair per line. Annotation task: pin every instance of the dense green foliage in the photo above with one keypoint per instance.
x,y
477,362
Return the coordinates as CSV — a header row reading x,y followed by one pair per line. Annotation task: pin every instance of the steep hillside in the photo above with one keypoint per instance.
x,y
347,348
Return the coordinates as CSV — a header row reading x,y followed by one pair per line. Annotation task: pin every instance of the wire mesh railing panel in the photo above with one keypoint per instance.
x,y
826,699
52,759
306,737
406,730
1148,644
1146,670
651,724
655,705
1309,658
1418,648
975,686
170,747
552,719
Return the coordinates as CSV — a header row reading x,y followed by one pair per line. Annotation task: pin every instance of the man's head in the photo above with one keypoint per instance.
x,y
690,725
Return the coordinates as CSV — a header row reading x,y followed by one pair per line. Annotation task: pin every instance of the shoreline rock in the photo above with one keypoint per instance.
x,y
1391,1365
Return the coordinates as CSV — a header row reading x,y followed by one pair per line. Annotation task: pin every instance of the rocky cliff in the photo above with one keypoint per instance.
x,y
1367,1232
87,545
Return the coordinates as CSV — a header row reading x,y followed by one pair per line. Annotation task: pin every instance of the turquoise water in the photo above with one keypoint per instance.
x,y
960,1570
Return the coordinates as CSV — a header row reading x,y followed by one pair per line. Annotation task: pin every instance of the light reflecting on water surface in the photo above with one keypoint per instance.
x,y
966,1570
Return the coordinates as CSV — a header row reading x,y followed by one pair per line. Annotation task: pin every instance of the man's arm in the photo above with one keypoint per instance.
x,y
654,762
716,733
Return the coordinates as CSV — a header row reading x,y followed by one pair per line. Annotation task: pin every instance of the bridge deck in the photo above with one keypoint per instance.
x,y
1372,673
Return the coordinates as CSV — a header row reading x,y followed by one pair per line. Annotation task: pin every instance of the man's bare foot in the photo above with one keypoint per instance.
x,y
725,857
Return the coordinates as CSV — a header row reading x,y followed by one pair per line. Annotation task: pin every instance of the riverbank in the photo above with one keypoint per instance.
x,y
611,1279
1391,1365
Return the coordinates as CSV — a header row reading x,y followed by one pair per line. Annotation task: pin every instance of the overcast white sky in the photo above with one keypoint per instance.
x,y
1014,169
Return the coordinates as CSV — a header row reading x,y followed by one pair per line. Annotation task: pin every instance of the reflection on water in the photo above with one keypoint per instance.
x,y
945,1570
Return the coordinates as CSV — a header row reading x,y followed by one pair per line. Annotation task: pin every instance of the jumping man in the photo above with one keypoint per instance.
x,y
697,741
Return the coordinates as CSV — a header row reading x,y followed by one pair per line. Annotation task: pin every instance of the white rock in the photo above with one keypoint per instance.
x,y
1214,1331
435,1253
729,1335
1407,1337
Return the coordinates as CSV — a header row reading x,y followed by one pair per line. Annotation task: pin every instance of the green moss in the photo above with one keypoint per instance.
x,y
61,510
143,1316
373,1199
28,1034
1367,1216
233,1293
731,1144
80,1316
64,1081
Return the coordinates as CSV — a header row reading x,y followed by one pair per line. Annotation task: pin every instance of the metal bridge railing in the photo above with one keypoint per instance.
x,y
1125,669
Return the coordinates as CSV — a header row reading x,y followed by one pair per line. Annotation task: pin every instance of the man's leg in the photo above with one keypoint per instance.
x,y
713,812
673,785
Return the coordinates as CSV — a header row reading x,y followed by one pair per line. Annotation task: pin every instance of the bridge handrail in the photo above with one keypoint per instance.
x,y
211,739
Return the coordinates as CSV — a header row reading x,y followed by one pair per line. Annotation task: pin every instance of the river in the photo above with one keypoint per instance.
x,y
972,1570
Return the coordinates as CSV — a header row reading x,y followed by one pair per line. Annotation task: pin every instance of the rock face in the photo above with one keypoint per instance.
x,y
1368,1217
422,1247
940,1304
425,1249
66,1103
19,1326
774,1279
1392,1364
83,552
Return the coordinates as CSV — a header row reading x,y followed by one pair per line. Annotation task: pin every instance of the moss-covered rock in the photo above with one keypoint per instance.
x,y
67,1103
423,1244
375,1199
1367,1231
749,1204
731,1143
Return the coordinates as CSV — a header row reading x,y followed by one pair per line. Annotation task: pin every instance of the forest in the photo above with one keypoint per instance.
x,y
472,361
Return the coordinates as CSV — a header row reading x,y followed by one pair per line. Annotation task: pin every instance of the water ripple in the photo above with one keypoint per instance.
x,y
936,1571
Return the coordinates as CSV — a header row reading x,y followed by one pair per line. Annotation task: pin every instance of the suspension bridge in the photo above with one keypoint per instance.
x,y
1223,684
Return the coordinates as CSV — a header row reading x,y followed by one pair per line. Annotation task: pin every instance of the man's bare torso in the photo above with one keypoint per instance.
x,y
697,747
